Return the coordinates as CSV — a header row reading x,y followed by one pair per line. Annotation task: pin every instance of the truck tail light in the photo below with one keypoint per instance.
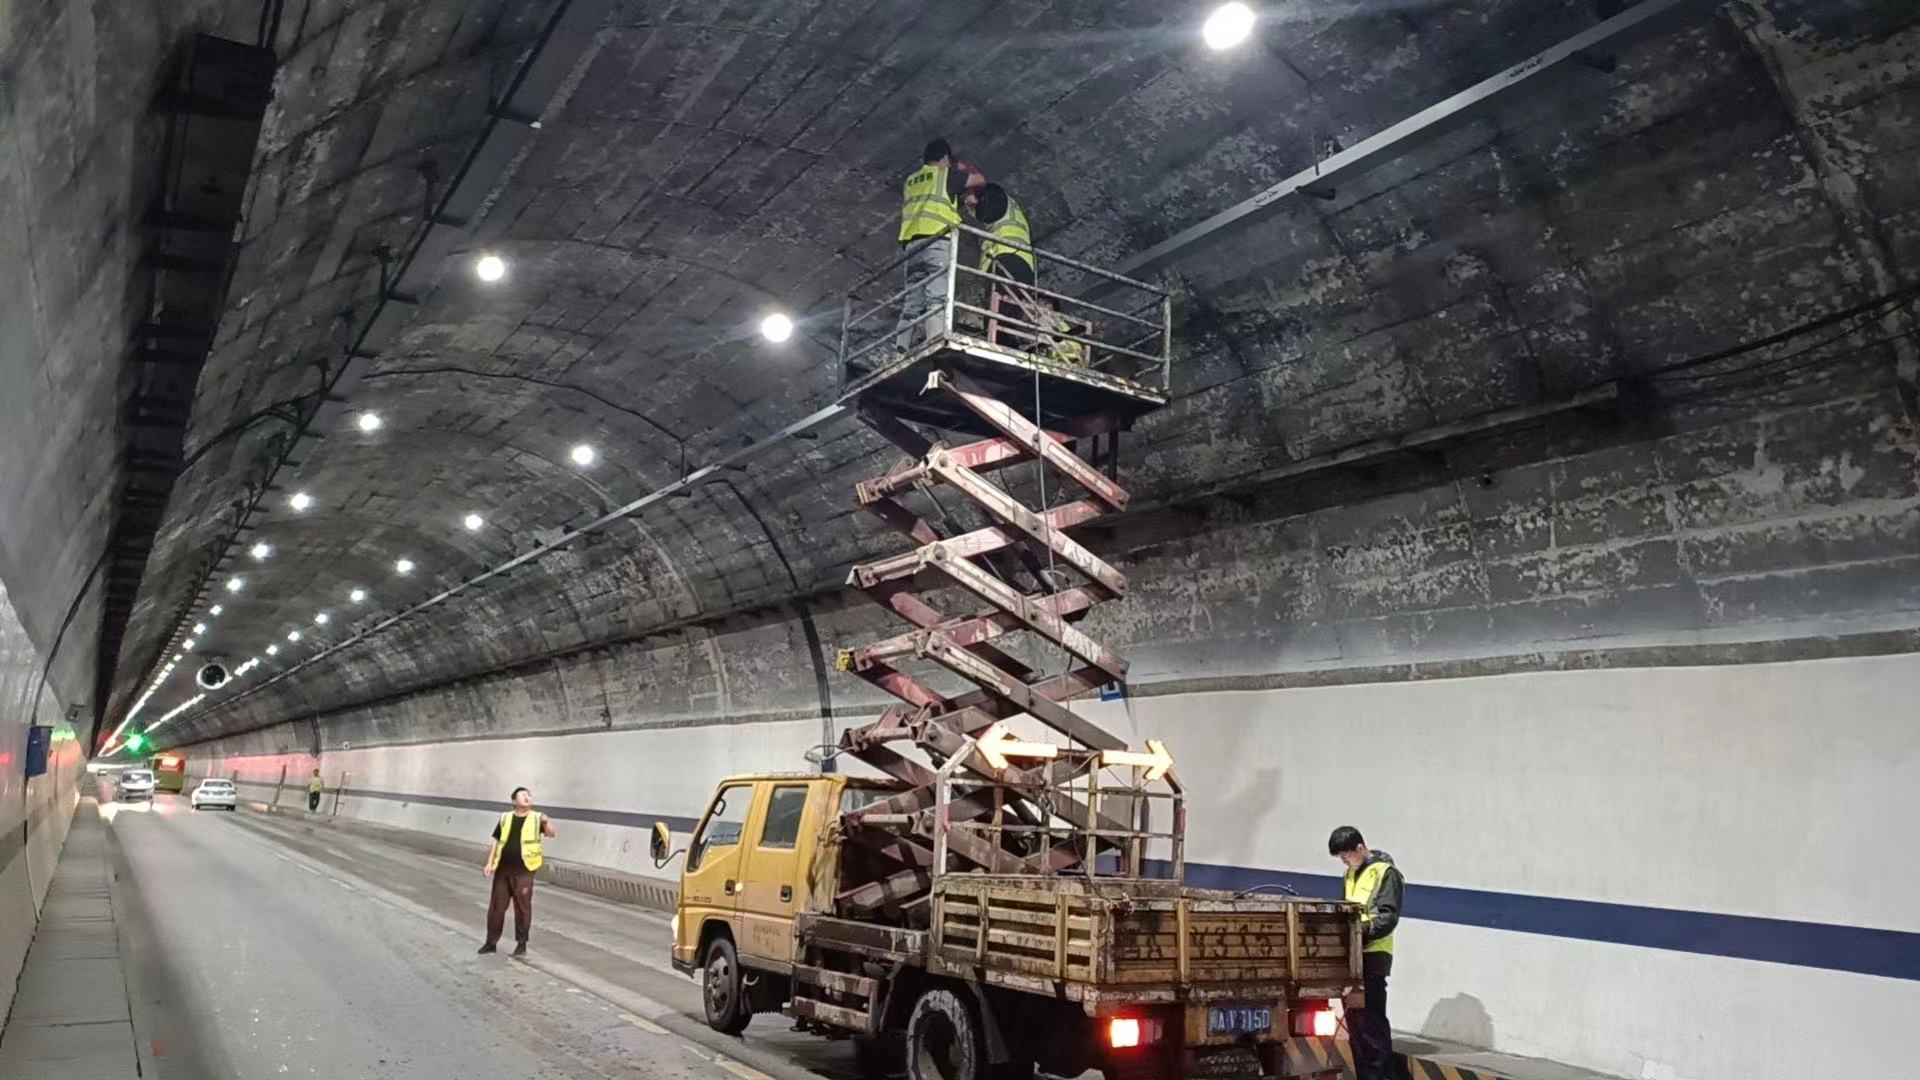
x,y
1316,1018
1123,1032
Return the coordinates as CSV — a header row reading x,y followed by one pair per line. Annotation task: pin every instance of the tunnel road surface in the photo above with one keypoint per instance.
x,y
260,948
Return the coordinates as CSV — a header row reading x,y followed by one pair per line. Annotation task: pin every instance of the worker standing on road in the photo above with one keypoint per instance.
x,y
1373,882
314,787
929,213
511,864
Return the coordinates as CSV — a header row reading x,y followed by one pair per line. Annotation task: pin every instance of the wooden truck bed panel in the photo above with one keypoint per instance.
x,y
1117,939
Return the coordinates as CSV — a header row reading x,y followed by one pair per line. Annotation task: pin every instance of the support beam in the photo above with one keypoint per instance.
x,y
1321,181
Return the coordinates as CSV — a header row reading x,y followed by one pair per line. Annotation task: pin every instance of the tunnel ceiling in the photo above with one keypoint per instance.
x,y
717,160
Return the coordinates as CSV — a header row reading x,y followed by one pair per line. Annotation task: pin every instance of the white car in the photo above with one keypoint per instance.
x,y
135,784
214,792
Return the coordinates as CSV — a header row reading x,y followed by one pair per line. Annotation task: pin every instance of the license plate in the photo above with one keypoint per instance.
x,y
1238,1019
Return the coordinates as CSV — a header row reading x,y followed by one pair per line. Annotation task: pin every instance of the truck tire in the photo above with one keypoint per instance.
x,y
943,1039
882,1056
723,989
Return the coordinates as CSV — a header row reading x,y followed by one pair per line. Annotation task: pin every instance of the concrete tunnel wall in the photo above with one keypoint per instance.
x,y
1643,868
34,813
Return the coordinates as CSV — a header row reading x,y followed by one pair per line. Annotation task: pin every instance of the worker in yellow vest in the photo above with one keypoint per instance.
x,y
1373,882
929,214
511,864
315,786
1009,254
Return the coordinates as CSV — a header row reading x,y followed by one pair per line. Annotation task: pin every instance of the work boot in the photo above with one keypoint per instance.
x,y
487,948
520,949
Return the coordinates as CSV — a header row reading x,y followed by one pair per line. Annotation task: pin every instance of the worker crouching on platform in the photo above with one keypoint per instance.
x,y
1009,254
511,864
1373,882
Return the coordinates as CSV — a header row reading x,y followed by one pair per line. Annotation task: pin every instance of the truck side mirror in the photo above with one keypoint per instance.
x,y
660,844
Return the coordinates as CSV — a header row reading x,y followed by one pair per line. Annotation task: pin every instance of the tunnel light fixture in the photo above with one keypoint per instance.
x,y
320,618
403,566
177,657
273,650
490,268
293,635
1229,25
199,628
474,522
358,596
189,644
260,550
235,584
299,500
776,327
583,455
369,421
215,609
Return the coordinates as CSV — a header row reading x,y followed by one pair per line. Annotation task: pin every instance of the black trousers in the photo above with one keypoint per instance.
x,y
313,800
512,886
1372,1036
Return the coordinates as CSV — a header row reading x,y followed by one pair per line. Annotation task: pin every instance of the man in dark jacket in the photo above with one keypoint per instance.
x,y
1373,882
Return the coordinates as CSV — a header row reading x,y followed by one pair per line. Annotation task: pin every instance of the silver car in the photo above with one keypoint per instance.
x,y
135,784
214,792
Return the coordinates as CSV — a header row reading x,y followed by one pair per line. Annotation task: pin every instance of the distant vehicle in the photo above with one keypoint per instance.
x,y
170,771
135,784
214,792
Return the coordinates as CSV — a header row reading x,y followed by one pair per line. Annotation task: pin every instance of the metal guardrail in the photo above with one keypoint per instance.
x,y
1128,334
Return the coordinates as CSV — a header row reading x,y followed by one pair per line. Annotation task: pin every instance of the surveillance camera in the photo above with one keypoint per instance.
x,y
214,675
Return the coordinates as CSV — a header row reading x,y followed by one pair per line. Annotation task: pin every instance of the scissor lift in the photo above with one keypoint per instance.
x,y
967,391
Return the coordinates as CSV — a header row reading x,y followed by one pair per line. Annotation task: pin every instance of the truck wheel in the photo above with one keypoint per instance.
x,y
943,1039
880,1057
725,993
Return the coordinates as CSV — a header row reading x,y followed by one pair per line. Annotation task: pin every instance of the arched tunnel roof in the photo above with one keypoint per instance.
x,y
710,162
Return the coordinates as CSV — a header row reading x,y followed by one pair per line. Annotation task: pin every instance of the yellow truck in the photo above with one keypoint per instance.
x,y
989,976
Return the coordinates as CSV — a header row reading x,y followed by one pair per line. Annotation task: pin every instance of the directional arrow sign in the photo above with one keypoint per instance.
x,y
997,744
1156,760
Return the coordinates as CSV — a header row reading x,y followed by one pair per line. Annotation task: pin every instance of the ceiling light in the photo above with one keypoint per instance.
x,y
358,596
273,650
776,327
404,566
322,618
583,454
235,584
1228,26
189,644
260,550
299,500
369,421
490,268
473,522
293,635
178,656
215,609
199,628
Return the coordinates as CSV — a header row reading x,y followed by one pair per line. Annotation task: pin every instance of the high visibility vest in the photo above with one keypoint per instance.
x,y
925,207
1011,226
315,786
1360,890
529,840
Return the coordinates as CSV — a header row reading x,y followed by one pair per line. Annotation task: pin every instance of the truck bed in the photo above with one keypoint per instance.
x,y
1112,942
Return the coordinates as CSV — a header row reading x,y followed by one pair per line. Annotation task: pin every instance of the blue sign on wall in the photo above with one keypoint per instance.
x,y
39,740
1113,691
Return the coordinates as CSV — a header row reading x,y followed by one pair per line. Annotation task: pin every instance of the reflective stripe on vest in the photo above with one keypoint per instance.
x,y
529,840
925,207
1360,890
1011,226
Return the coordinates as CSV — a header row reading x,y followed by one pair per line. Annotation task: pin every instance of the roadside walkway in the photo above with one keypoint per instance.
x,y
70,1015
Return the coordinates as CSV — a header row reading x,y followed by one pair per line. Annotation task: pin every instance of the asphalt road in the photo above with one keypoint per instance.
x,y
260,949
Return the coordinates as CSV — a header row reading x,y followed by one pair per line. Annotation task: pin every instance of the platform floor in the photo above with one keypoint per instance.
x,y
262,946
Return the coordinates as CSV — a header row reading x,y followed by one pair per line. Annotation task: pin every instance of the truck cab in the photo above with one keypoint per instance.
x,y
763,853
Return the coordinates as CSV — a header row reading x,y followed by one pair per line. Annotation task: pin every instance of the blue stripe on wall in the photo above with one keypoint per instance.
x,y
1862,950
